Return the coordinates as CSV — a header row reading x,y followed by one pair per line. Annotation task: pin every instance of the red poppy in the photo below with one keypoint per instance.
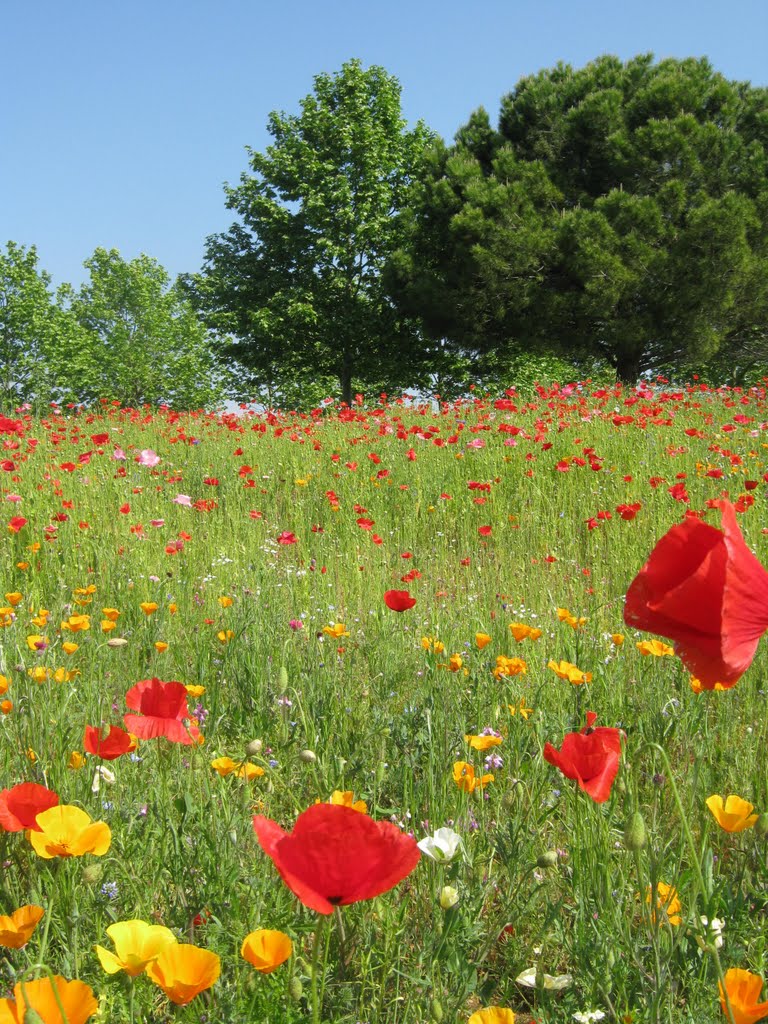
x,y
286,537
336,855
112,746
399,600
20,806
590,757
163,707
484,531
16,523
703,589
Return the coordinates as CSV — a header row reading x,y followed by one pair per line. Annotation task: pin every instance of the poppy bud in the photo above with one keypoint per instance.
x,y
548,859
634,832
31,1016
436,1010
308,756
295,988
761,825
449,897
117,641
254,748
282,678
92,874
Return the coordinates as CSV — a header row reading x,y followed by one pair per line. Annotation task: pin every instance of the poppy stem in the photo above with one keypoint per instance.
x,y
319,934
697,874
342,941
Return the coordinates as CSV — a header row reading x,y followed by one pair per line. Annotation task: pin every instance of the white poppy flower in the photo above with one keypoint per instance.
x,y
442,846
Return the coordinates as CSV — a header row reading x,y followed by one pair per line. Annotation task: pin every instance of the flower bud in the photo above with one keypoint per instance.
x,y
295,988
761,825
282,678
254,748
92,874
308,756
548,859
436,1011
31,1016
634,832
117,641
449,897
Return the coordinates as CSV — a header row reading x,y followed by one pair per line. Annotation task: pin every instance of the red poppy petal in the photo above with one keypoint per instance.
x,y
147,727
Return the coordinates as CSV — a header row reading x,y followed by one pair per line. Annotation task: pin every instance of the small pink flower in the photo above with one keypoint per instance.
x,y
118,453
13,497
183,499
296,624
157,522
148,458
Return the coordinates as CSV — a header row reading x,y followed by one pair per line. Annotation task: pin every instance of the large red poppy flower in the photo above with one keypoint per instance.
x,y
336,855
20,806
399,600
163,707
590,757
703,589
116,743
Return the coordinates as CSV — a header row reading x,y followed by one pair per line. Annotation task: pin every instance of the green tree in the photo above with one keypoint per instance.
x,y
296,284
33,329
619,210
142,341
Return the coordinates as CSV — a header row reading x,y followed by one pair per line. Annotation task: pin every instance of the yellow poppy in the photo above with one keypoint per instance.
x,y
16,928
655,648
465,778
743,990
492,1015
183,971
346,798
666,900
225,602
482,640
432,644
734,815
69,648
14,598
520,631
76,760
337,630
137,944
482,742
45,996
111,614
565,670
509,667
243,769
76,624
67,831
521,710
266,949
148,607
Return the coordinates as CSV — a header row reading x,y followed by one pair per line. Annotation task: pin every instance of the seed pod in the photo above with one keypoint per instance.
x,y
254,747
436,1010
308,756
548,859
31,1016
634,832
761,825
282,678
295,988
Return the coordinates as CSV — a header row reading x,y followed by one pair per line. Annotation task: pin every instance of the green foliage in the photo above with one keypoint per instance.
x,y
618,210
33,330
296,283
141,339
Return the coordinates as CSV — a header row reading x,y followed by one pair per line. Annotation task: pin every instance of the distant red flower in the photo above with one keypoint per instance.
x,y
399,600
336,855
484,531
99,438
286,537
628,512
20,806
116,743
163,707
16,523
703,589
590,757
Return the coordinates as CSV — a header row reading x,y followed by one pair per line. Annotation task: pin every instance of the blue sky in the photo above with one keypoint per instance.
x,y
121,122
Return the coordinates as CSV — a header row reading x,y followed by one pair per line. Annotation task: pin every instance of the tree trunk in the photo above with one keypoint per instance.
x,y
345,380
628,368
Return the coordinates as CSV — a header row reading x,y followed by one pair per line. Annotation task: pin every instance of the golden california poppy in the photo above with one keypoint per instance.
x,y
734,815
16,928
67,831
183,971
137,944
266,949
44,996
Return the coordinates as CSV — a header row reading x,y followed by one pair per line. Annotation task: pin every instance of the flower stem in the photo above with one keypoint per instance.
x,y
319,932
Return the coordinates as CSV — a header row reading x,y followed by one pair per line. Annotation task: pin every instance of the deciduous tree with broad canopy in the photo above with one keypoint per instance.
x,y
296,283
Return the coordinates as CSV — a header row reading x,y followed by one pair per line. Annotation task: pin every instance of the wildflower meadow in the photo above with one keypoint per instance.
x,y
387,713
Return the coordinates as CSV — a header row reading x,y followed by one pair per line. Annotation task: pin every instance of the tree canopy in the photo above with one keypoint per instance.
x,y
296,282
619,210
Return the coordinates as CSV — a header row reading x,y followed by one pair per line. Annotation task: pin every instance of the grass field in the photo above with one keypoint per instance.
x,y
248,558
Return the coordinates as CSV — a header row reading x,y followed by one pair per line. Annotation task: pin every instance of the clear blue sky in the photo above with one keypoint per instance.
x,y
121,121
